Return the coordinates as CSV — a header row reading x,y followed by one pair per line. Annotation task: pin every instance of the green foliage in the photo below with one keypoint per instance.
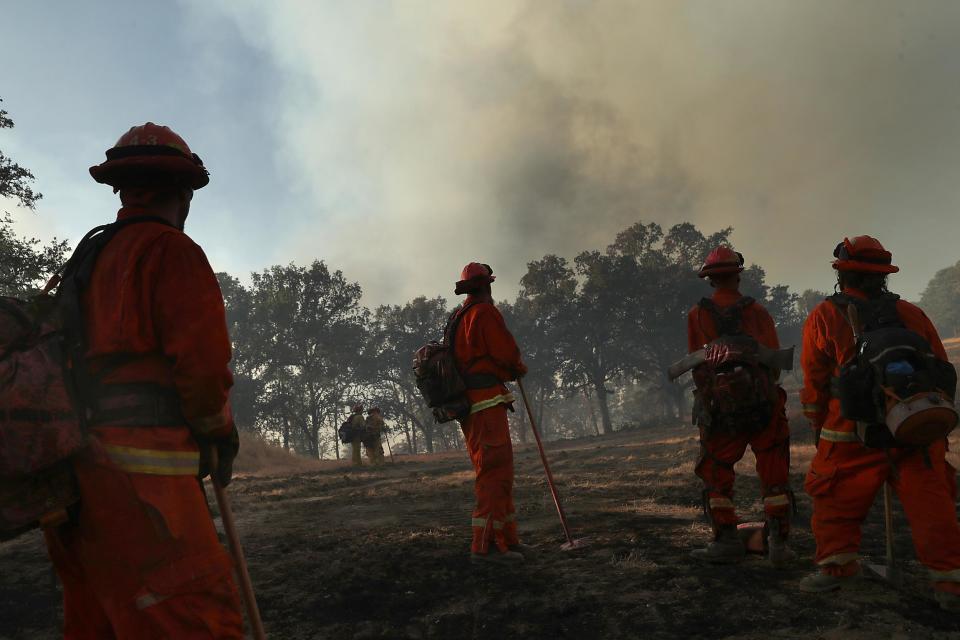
x,y
299,335
941,300
597,333
25,263
14,179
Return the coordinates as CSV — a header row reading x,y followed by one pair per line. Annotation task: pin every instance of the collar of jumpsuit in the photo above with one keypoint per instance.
x,y
726,297
855,293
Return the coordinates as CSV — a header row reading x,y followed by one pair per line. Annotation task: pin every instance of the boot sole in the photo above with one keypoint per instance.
x,y
851,585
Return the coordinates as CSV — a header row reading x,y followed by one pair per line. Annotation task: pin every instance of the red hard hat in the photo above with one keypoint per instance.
x,y
863,254
374,410
151,154
357,407
473,276
720,261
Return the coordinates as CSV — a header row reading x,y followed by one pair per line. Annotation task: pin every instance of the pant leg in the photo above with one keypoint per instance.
x,y
355,453
374,449
718,454
843,481
149,557
487,434
772,450
932,513
83,617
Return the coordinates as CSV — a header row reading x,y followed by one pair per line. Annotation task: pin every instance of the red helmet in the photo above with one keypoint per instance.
x,y
151,155
721,260
358,408
473,276
863,254
374,410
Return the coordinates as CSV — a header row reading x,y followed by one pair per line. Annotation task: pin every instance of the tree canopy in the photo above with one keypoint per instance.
x,y
597,333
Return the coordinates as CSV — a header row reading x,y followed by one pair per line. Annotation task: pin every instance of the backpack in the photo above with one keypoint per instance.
x,y
439,378
347,431
734,392
895,389
44,387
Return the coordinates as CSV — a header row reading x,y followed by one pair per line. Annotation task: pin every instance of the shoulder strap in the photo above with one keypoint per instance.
x,y
74,276
877,313
453,323
728,321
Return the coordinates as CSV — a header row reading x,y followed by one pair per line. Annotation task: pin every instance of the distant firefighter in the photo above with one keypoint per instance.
x,y
738,403
373,436
878,390
355,428
488,356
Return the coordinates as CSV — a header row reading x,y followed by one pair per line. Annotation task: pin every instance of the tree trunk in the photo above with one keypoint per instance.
x,y
593,414
522,427
601,390
681,400
406,430
286,433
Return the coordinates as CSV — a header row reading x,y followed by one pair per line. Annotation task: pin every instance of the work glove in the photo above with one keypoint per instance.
x,y
519,372
226,449
716,354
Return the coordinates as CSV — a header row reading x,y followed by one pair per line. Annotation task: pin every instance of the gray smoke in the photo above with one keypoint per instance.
x,y
423,135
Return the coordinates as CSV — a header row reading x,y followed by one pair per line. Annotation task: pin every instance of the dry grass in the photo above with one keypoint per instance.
x,y
258,458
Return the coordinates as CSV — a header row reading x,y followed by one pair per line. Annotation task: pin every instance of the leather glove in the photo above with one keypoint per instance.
x,y
519,372
226,449
716,354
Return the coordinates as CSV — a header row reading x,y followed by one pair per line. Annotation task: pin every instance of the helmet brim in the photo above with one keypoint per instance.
x,y
471,285
152,171
864,267
719,269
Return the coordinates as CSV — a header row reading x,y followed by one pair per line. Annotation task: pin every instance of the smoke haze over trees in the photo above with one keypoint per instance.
x,y
597,332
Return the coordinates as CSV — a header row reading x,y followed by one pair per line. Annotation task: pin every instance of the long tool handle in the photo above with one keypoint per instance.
x,y
230,527
888,523
853,317
546,465
389,450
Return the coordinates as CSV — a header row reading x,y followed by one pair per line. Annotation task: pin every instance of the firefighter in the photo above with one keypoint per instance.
x,y
845,475
728,312
372,442
488,356
358,430
141,556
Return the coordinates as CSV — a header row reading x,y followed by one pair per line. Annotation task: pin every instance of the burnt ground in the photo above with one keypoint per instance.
x,y
383,553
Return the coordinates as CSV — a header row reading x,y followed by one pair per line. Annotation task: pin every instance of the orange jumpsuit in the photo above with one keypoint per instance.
x,y
845,476
142,558
721,451
483,344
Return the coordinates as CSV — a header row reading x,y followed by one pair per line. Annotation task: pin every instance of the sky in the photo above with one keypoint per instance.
x,y
398,141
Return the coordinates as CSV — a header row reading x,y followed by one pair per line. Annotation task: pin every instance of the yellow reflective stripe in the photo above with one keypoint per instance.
x,y
497,524
840,558
776,501
218,422
813,409
721,503
945,576
503,398
153,461
838,436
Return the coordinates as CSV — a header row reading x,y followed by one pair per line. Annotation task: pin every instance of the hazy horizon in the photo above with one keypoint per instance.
x,y
398,142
